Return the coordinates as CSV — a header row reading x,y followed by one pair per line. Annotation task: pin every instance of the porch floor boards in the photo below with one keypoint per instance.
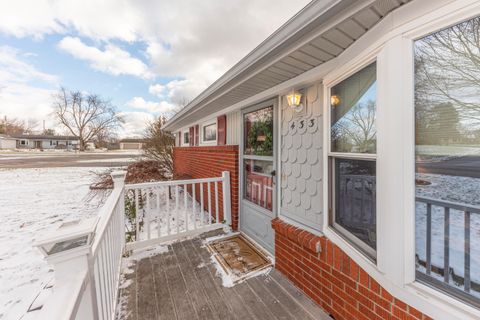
x,y
182,284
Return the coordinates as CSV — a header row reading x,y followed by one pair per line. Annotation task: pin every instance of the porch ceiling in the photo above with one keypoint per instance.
x,y
317,34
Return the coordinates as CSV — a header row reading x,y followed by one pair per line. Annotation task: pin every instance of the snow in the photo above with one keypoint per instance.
x,y
149,252
33,202
180,215
464,190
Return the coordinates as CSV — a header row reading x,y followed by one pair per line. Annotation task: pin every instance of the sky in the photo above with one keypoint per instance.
x,y
147,56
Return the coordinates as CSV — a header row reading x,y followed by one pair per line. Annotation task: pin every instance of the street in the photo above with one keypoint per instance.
x,y
67,159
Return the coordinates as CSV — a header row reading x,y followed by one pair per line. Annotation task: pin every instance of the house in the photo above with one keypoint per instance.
x,y
7,142
333,129
131,144
345,145
30,141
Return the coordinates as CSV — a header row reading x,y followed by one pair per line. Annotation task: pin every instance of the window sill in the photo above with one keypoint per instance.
x,y
441,303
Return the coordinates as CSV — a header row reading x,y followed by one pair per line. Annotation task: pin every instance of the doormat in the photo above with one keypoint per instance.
x,y
239,257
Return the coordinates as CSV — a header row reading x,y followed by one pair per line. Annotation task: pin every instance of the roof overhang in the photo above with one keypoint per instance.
x,y
317,34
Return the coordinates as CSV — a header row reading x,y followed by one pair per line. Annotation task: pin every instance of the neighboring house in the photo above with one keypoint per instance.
x,y
131,144
320,128
7,142
27,141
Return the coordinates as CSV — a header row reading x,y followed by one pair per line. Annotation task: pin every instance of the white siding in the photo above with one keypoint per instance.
x,y
234,125
301,157
7,144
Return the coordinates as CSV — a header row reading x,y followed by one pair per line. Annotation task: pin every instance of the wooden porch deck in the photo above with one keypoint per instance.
x,y
182,284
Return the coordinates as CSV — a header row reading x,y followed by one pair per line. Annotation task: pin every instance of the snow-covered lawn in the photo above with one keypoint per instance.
x,y
463,190
33,202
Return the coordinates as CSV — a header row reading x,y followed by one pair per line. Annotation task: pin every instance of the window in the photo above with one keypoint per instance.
x,y
447,158
352,163
258,157
210,132
23,142
186,137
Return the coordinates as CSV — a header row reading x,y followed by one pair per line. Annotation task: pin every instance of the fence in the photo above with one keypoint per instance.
x,y
166,210
87,254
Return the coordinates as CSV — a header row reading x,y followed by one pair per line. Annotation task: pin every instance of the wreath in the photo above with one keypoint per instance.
x,y
262,129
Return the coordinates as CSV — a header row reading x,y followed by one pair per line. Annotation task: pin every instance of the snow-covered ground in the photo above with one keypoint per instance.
x,y
33,202
463,190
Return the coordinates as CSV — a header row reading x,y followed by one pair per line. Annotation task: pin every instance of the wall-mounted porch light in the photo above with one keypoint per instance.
x,y
294,100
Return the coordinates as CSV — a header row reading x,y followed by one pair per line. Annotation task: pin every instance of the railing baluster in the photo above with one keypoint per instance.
x,y
176,208
467,251
185,206
202,212
159,218
209,204
148,212
446,244
137,216
167,195
194,202
217,214
429,239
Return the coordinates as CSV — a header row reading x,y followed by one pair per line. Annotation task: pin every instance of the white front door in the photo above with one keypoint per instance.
x,y
258,167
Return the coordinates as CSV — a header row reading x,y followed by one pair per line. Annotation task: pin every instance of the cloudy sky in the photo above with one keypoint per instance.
x,y
147,56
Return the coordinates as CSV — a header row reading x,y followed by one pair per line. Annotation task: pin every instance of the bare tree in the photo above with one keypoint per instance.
x,y
86,116
447,65
357,127
159,145
15,126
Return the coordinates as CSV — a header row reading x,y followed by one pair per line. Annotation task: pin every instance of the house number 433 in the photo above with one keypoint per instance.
x,y
303,125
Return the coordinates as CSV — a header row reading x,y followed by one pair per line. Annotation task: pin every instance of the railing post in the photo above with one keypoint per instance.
x,y
118,178
227,214
68,250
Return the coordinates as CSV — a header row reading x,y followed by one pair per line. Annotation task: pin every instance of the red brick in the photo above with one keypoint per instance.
x,y
414,312
333,280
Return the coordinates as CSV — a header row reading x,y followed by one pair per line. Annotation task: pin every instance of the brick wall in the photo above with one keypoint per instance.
x,y
208,162
332,279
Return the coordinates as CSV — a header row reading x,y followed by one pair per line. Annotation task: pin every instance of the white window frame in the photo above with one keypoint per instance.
x,y
391,42
208,142
331,155
182,137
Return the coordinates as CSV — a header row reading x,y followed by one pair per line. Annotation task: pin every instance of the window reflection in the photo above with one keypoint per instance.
x,y
259,132
353,107
258,182
447,114
355,200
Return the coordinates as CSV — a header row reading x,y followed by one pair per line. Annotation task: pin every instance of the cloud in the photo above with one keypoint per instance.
x,y
135,123
191,42
20,95
112,59
162,107
15,68
157,90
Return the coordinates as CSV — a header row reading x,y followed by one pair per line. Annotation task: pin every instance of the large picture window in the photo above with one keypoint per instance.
x,y
352,159
447,154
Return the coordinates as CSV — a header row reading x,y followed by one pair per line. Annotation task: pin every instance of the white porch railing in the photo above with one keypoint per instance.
x,y
168,210
87,254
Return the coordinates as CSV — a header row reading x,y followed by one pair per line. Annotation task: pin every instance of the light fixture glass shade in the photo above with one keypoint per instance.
x,y
294,99
334,100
